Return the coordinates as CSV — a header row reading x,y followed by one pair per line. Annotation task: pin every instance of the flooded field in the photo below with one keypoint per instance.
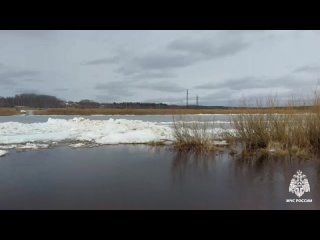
x,y
137,176
142,177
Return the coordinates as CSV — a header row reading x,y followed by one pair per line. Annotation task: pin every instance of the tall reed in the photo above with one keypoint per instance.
x,y
289,132
194,136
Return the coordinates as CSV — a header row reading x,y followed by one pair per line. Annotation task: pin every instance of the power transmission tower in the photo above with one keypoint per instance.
x,y
187,98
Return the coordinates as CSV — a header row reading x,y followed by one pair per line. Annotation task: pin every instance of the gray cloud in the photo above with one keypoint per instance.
x,y
219,97
230,91
161,86
120,92
256,82
31,80
184,53
244,83
110,85
61,89
26,32
17,74
205,86
308,69
179,53
125,86
244,32
31,34
12,78
28,91
164,61
102,61
139,65
134,73
154,75
207,49
229,97
7,81
114,89
154,66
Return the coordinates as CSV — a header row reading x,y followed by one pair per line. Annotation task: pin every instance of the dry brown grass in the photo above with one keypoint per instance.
x,y
116,111
283,134
8,111
195,136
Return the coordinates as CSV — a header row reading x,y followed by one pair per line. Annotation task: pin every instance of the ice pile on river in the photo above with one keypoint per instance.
x,y
3,152
79,131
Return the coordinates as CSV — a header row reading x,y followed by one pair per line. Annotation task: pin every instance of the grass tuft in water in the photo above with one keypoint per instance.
x,y
288,134
195,136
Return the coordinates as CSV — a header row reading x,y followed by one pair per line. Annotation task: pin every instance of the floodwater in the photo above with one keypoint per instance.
x,y
143,177
149,118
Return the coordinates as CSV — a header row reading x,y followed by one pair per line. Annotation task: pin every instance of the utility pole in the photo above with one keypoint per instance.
x,y
187,98
197,101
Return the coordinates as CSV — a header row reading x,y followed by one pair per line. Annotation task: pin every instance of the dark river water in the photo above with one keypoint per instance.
x,y
149,118
142,177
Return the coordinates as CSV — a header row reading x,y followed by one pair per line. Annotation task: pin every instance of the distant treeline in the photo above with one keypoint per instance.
x,y
46,101
155,106
31,100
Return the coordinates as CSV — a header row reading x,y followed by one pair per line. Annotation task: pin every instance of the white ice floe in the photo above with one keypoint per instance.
x,y
3,152
80,131
8,146
32,146
27,145
77,145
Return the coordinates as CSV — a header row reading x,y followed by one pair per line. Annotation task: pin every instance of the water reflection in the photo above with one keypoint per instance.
x,y
185,163
261,168
142,177
268,164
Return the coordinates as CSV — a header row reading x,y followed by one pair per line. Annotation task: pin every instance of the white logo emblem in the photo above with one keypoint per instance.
x,y
299,184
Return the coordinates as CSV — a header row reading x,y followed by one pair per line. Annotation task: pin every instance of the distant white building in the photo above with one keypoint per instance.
x,y
21,109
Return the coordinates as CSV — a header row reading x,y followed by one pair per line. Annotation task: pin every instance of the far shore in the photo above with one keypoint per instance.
x,y
149,111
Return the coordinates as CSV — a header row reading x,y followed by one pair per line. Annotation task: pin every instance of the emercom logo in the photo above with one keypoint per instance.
x,y
299,185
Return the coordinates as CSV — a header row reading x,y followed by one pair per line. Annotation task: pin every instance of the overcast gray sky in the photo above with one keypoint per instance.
x,y
158,66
